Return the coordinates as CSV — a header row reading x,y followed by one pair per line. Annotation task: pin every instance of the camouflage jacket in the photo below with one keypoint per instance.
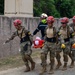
x,y
54,34
23,34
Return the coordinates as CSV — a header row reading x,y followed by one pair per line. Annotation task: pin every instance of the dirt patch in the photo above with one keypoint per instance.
x,y
15,61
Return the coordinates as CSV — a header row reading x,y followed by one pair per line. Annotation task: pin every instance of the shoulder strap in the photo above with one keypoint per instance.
x,y
68,31
45,30
21,33
60,27
54,31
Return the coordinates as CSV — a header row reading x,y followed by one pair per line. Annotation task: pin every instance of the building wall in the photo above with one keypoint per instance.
x,y
23,8
7,28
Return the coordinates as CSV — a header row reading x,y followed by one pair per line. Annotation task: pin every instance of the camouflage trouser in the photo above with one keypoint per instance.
x,y
73,54
48,47
66,52
25,50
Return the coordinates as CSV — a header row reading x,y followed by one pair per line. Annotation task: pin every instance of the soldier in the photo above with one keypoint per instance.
x,y
42,25
49,45
65,33
73,27
73,23
25,44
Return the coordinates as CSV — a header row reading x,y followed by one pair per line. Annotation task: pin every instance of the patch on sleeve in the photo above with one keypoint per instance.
x,y
59,33
29,33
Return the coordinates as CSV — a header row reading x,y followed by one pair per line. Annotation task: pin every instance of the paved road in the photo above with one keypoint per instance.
x,y
20,70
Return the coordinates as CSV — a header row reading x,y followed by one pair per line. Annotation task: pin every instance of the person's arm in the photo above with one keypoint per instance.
x,y
72,34
37,29
30,36
56,35
45,33
12,37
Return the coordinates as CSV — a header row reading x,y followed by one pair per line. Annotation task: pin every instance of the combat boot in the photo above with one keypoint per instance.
x,y
51,71
64,67
27,68
43,70
58,65
32,65
72,64
31,61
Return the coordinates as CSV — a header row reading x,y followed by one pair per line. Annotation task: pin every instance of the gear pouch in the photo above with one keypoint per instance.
x,y
26,47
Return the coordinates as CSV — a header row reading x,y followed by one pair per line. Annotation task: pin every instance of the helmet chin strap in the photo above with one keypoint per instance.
x,y
50,26
19,28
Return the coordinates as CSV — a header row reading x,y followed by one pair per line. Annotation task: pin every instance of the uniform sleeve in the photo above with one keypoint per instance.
x,y
71,24
30,36
56,35
71,32
36,30
60,37
12,37
45,33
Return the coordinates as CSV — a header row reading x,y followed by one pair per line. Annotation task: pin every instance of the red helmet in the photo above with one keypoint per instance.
x,y
73,18
64,20
50,19
17,22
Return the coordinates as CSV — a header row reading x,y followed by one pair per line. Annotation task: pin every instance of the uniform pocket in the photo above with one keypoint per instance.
x,y
26,47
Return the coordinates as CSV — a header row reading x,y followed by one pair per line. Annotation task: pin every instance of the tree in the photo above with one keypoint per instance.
x,y
1,7
65,7
45,6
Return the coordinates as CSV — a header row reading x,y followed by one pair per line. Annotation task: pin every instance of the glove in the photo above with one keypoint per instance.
x,y
73,34
63,46
59,33
73,46
7,41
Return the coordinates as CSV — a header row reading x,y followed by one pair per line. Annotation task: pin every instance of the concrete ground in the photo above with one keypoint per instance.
x,y
20,70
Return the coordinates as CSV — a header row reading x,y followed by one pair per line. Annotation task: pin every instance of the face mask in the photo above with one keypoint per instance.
x,y
44,21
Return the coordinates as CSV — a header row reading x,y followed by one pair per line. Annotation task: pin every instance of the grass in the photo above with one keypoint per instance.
x,y
15,61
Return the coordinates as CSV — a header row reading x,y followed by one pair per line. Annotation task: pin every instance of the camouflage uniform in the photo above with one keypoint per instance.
x,y
72,62
49,46
25,45
65,35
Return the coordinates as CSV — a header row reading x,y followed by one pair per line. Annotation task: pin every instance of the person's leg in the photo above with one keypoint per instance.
x,y
52,60
58,57
52,65
24,57
31,61
71,55
43,58
28,56
65,55
26,63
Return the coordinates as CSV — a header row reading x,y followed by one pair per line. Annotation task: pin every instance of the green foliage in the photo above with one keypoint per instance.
x,y
1,7
45,6
64,7
56,8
